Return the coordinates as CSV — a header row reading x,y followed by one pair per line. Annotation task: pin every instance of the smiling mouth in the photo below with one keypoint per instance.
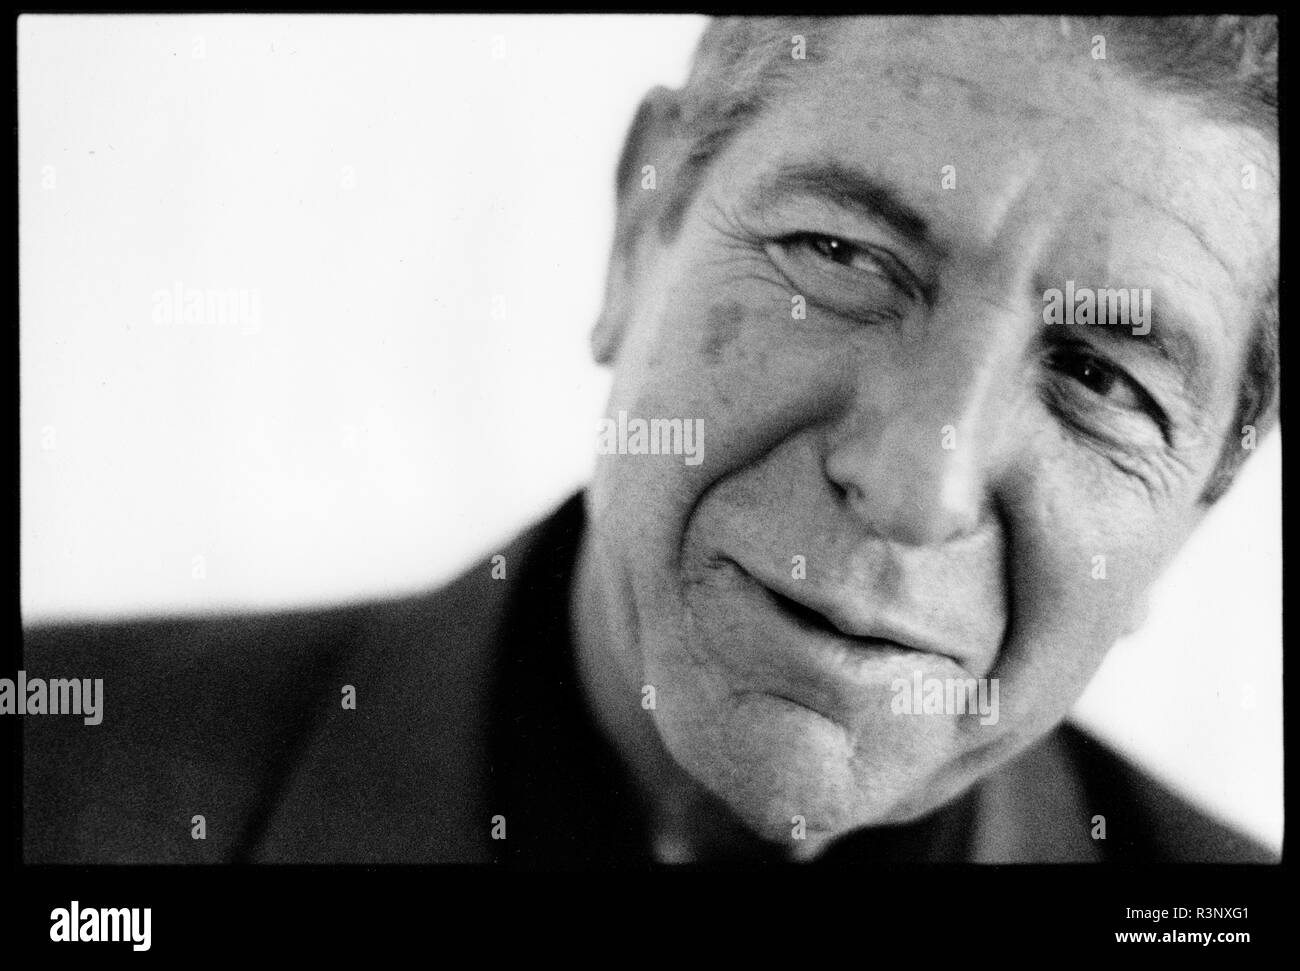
x,y
811,620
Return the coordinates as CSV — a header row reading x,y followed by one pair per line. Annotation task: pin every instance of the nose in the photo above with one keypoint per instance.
x,y
913,458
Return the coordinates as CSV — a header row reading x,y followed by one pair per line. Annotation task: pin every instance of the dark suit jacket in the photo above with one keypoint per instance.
x,y
466,710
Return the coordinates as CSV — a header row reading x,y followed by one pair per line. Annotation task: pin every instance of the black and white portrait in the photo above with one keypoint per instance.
x,y
634,441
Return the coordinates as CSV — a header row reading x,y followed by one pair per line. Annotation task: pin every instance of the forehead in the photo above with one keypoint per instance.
x,y
1031,123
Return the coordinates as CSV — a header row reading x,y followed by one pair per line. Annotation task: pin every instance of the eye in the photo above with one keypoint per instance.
x,y
1105,381
852,279
843,253
1095,375
854,256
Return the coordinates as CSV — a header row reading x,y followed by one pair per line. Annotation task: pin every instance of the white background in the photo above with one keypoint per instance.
x,y
423,208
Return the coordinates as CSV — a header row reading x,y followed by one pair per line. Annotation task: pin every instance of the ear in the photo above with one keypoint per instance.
x,y
649,142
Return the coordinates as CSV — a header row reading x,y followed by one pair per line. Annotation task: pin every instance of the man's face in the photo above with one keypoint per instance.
x,y
919,475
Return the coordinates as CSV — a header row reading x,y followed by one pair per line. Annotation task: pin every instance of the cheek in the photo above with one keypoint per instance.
x,y
736,367
1085,547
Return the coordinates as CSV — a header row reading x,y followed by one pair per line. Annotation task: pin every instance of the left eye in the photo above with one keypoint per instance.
x,y
1103,379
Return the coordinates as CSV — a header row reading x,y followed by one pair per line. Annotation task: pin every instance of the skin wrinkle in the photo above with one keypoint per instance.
x,y
980,101
824,439
1163,206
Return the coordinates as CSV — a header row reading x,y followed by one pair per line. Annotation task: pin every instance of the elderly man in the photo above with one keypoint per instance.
x,y
949,333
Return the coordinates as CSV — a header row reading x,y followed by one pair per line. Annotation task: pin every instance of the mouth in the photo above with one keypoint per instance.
x,y
814,621
821,649
847,616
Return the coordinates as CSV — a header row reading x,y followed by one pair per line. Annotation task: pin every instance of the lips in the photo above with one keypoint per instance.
x,y
849,619
813,620
804,648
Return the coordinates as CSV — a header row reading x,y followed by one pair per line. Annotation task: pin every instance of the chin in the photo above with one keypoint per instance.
x,y
771,760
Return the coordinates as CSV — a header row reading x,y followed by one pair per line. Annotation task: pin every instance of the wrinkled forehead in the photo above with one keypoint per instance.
x,y
1023,104
1019,67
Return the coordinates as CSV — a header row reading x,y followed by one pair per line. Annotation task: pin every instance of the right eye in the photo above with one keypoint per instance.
x,y
849,278
844,253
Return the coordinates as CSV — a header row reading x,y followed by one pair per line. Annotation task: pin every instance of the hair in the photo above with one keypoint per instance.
x,y
1226,65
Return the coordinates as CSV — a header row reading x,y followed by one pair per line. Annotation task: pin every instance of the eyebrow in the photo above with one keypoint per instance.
x,y
848,188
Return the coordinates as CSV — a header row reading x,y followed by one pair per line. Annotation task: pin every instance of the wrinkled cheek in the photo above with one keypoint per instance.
x,y
731,372
1078,574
